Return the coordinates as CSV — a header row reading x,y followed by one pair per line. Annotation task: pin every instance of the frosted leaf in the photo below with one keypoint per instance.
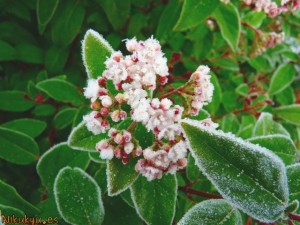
x,y
212,212
280,144
155,201
222,157
265,125
293,173
78,197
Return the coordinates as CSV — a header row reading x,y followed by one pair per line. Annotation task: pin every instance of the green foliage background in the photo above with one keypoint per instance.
x,y
42,78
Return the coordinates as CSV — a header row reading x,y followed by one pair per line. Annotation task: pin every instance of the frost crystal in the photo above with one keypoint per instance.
x,y
135,77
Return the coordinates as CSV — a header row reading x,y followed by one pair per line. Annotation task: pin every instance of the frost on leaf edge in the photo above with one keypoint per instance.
x,y
98,190
100,38
257,148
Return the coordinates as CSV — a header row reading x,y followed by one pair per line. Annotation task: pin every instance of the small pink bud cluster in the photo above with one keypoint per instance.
x,y
199,90
267,40
166,160
121,145
103,105
142,66
271,8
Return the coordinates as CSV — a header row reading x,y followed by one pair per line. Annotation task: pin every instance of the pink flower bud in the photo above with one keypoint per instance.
x,y
102,81
104,111
106,101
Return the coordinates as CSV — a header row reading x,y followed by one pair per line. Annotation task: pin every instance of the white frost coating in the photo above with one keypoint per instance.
x,y
210,210
109,189
98,190
70,137
138,209
294,165
100,38
256,148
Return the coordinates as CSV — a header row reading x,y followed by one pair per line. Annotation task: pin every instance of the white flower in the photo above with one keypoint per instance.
x,y
158,158
177,152
147,170
141,111
92,90
106,101
128,147
107,153
93,122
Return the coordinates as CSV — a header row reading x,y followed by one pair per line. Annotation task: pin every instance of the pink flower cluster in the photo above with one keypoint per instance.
x,y
271,8
135,77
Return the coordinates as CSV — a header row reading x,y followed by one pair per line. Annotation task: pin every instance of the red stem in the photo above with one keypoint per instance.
x,y
188,190
294,216
171,92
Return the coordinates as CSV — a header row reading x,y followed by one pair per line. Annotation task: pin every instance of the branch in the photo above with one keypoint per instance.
x,y
294,216
188,190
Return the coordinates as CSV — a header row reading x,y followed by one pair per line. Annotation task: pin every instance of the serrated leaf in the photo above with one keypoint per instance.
x,y
45,11
290,113
95,50
194,12
56,158
10,197
61,90
212,212
81,204
282,78
31,127
281,145
120,176
64,118
17,147
82,139
293,173
249,176
155,201
265,125
230,31
14,101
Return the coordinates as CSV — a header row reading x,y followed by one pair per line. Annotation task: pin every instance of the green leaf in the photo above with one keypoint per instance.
x,y
282,78
167,20
249,176
144,137
116,11
64,118
17,147
67,22
229,30
117,212
44,110
56,58
7,211
61,90
56,158
14,101
212,212
194,12
254,18
45,11
95,157
286,97
7,52
242,89
230,123
78,197
265,125
281,145
126,196
100,178
293,173
82,139
10,197
30,53
120,176
95,50
155,201
31,127
290,113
